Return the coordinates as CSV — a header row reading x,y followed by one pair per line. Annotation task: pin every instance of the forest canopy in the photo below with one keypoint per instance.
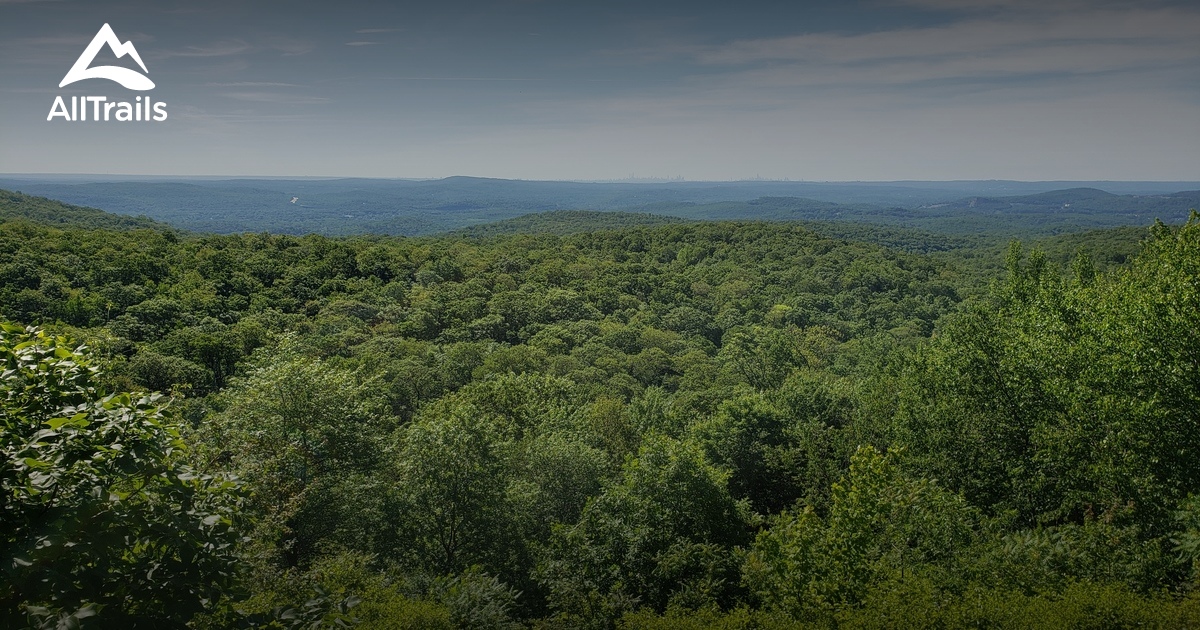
x,y
661,425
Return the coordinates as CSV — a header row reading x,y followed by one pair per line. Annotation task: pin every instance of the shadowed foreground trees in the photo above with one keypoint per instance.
x,y
102,515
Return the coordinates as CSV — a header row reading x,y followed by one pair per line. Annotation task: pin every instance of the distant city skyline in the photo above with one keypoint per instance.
x,y
860,90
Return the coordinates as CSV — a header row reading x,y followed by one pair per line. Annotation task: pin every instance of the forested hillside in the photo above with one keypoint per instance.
x,y
998,210
1054,212
566,222
663,425
14,205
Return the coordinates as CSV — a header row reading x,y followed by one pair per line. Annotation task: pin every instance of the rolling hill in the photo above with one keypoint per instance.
x,y
18,206
421,207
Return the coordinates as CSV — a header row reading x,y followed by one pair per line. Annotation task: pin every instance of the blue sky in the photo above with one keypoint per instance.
x,y
849,90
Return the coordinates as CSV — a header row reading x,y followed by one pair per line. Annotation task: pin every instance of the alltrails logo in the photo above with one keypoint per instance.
x,y
101,107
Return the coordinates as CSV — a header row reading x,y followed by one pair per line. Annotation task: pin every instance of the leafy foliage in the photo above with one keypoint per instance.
x,y
661,534
881,524
1069,399
102,515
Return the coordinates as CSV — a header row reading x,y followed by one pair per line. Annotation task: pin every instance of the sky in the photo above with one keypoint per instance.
x,y
844,90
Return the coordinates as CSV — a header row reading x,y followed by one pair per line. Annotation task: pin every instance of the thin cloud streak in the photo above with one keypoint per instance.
x,y
1038,56
456,79
274,97
1167,27
252,84
1039,6
220,49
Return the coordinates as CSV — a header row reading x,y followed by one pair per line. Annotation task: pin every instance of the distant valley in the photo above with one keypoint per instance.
x,y
423,207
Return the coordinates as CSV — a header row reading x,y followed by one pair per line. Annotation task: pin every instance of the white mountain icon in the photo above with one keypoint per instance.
x,y
126,77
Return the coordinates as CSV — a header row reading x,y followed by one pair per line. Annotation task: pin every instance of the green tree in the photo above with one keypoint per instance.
x,y
308,438
750,437
1067,400
451,478
103,520
663,533
881,523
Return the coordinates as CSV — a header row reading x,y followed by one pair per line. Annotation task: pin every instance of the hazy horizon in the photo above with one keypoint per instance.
x,y
858,91
175,177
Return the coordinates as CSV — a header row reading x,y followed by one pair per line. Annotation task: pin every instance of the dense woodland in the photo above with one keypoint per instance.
x,y
662,425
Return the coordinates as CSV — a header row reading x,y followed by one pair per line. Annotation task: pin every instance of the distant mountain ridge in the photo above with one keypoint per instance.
x,y
1091,200
421,207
